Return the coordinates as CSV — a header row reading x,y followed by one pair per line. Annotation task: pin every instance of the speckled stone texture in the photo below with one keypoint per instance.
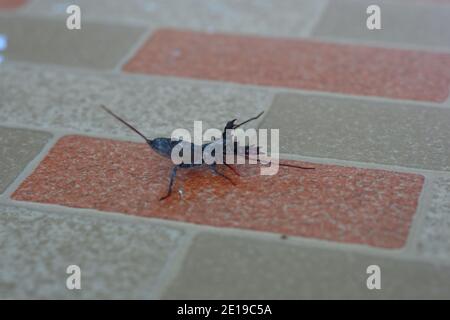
x,y
11,4
434,237
372,207
281,18
118,259
359,130
48,41
301,64
222,267
401,22
17,148
70,100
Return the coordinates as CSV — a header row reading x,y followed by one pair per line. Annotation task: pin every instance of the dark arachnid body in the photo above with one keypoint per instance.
x,y
164,147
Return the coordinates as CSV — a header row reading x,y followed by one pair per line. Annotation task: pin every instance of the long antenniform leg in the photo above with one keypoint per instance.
x,y
231,126
214,168
294,166
124,122
172,179
247,121
233,169
283,164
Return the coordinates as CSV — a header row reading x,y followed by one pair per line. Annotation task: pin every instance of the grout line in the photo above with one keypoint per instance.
x,y
225,84
30,167
315,20
418,3
26,13
194,229
379,44
277,90
447,102
59,133
307,34
174,264
133,50
364,165
417,223
69,132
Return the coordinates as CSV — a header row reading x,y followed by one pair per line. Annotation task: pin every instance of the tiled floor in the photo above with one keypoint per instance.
x,y
369,110
331,202
300,64
413,25
11,4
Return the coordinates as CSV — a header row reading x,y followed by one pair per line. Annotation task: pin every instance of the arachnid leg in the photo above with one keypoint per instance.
x,y
294,166
233,169
235,126
172,179
283,164
214,168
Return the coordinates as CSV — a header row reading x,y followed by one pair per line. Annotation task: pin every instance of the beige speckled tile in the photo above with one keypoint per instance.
x,y
272,17
17,148
226,267
66,99
434,233
118,259
48,41
403,23
361,130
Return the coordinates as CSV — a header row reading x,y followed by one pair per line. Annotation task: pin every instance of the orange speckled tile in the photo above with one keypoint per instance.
x,y
11,4
302,64
373,207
